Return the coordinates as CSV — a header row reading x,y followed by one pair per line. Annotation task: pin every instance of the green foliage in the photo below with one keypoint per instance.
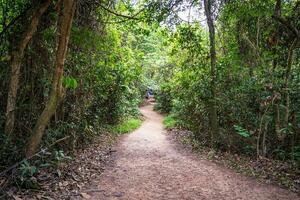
x,y
109,67
59,156
251,69
295,154
287,130
248,150
104,80
170,121
241,131
26,177
70,82
126,126
164,98
27,170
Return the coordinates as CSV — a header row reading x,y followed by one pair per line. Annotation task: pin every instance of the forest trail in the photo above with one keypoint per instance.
x,y
148,165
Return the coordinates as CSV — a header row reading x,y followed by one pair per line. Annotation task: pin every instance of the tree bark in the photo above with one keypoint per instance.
x,y
66,13
277,12
286,81
16,60
213,118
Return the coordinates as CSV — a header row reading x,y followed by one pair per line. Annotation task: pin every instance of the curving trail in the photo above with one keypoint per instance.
x,y
149,166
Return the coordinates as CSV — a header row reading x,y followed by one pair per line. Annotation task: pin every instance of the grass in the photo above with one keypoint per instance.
x,y
127,126
170,122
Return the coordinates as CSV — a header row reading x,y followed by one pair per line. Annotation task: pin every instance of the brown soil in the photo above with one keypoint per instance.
x,y
148,165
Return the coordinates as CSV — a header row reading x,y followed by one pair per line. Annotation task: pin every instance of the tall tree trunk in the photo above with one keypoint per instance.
x,y
17,56
286,81
213,118
277,12
66,13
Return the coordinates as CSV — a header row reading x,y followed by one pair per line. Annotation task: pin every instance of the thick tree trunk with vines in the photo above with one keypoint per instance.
x,y
66,13
16,60
213,118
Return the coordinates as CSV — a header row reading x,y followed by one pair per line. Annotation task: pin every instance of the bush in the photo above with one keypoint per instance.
x,y
170,121
164,98
126,126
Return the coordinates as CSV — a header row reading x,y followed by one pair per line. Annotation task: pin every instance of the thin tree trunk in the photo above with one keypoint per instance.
x,y
213,118
277,12
295,134
277,120
264,145
17,56
286,81
66,13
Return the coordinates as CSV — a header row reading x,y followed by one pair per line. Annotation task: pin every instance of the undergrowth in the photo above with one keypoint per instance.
x,y
283,173
170,122
126,126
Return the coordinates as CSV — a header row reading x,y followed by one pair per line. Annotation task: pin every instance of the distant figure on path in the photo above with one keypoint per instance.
x,y
149,94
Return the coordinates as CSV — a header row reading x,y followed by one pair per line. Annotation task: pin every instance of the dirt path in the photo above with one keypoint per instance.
x,y
148,166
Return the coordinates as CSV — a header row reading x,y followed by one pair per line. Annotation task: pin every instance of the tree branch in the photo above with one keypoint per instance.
x,y
286,24
121,15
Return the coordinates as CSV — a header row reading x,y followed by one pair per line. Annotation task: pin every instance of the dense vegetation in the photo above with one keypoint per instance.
x,y
100,85
253,87
70,69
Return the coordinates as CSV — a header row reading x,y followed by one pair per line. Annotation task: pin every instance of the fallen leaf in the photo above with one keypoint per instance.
x,y
85,195
16,198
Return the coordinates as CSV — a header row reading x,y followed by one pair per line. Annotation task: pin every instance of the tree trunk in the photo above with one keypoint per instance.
x,y
17,56
295,134
277,12
264,145
213,118
277,120
66,13
286,81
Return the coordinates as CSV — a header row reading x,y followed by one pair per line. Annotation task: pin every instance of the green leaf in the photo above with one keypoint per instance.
x,y
241,131
70,82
